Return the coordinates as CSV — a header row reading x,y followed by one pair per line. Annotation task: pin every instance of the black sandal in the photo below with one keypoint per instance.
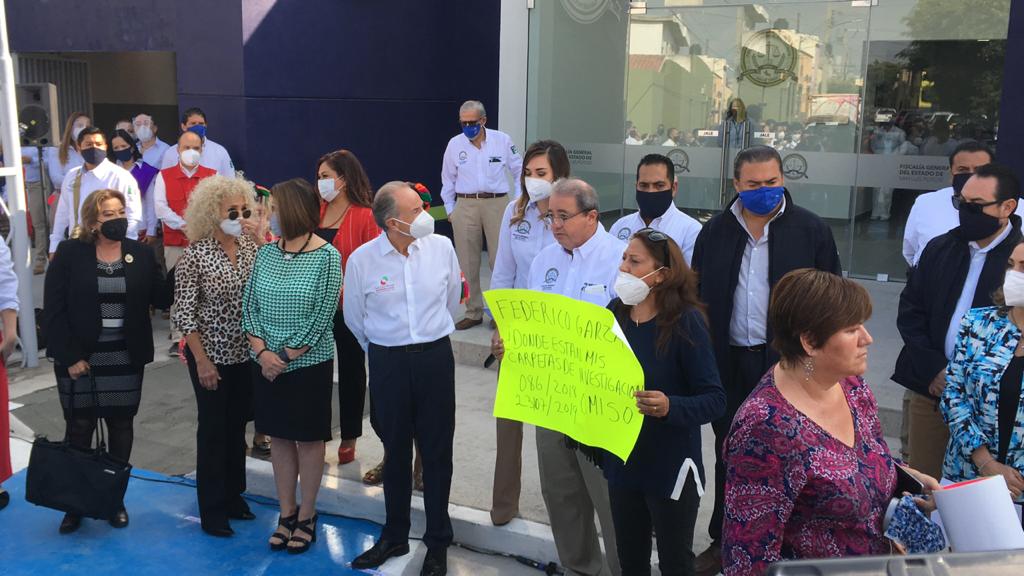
x,y
289,524
309,527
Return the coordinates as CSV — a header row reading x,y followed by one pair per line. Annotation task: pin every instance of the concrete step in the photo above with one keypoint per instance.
x,y
473,346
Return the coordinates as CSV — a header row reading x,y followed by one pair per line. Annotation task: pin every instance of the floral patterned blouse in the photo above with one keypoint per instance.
x,y
792,490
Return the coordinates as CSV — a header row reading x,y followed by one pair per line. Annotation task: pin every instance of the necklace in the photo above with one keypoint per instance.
x,y
108,267
290,255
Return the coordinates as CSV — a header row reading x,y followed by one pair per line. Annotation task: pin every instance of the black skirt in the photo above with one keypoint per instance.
x,y
297,405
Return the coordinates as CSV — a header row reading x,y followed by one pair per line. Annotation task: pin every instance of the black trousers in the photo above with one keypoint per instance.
x,y
636,513
120,433
220,439
747,367
351,379
414,399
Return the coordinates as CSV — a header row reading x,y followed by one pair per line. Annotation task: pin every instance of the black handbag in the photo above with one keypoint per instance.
x,y
88,482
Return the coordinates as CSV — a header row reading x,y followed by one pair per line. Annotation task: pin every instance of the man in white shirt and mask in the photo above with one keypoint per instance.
x,y
214,155
152,148
401,292
97,173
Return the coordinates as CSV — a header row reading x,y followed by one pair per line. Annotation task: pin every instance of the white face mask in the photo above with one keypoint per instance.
x,y
76,131
144,133
1013,288
632,290
326,188
190,157
538,188
231,227
421,227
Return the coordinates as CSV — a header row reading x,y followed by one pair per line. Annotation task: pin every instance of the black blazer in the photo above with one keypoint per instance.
x,y
72,312
798,238
929,299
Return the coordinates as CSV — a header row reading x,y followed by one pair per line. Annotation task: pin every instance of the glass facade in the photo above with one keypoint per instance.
x,y
864,100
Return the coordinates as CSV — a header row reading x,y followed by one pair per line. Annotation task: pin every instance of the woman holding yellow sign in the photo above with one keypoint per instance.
x,y
661,483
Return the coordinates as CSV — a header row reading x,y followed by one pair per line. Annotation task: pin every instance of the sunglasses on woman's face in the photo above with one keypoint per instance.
x,y
233,214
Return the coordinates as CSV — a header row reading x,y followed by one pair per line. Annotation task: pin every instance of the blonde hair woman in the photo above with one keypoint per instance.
x,y
209,281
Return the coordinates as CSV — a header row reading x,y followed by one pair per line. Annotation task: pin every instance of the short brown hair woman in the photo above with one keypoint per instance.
x,y
660,485
346,221
288,309
98,291
807,443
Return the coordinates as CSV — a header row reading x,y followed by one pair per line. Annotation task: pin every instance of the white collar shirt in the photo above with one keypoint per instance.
x,y
587,273
154,155
396,300
674,222
214,157
963,304
518,245
496,167
749,323
105,175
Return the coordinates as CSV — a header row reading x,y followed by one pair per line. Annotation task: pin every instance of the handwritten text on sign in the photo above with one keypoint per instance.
x,y
567,369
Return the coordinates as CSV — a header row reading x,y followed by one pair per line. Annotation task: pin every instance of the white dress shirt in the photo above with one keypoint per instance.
x,y
58,171
963,304
468,170
8,280
32,173
396,300
214,157
149,207
932,216
677,224
154,155
106,174
587,274
749,323
163,210
518,245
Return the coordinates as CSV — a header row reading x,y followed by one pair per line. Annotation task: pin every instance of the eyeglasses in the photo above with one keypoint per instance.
x,y
976,207
469,123
660,238
233,214
550,218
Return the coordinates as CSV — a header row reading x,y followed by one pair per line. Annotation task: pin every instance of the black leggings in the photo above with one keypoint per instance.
x,y
351,379
635,513
120,434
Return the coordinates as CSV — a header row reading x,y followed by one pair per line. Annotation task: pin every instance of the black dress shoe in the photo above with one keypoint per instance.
x,y
436,562
240,511
220,531
120,519
70,523
5,499
379,553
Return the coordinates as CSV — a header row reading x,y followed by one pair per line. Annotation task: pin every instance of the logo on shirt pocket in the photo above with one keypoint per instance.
x,y
523,227
463,157
550,277
386,285
624,234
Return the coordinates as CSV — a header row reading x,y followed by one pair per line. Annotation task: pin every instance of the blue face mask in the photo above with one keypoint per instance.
x,y
762,200
275,225
198,129
471,132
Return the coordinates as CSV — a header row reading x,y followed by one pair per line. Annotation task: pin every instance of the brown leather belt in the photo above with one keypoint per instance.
x,y
482,195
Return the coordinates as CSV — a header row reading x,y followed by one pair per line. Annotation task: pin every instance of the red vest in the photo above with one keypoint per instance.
x,y
179,187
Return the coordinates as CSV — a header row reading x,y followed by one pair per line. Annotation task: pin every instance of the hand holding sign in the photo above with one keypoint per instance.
x,y
567,368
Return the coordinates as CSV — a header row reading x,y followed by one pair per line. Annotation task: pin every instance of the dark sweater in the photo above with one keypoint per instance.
x,y
686,372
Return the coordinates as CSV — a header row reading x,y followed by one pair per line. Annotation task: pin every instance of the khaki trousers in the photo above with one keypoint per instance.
x,y
472,220
171,255
927,435
40,226
573,490
508,471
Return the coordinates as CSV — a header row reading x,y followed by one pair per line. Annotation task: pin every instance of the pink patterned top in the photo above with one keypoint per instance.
x,y
792,490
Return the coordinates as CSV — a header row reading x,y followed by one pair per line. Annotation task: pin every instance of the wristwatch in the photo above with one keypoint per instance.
x,y
283,355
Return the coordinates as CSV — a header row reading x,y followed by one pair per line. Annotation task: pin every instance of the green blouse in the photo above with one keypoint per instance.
x,y
290,302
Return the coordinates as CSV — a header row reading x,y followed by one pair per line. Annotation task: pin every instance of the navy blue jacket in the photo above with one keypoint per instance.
x,y
686,372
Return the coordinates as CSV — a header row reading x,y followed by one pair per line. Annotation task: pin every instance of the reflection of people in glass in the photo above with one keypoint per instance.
x,y
673,137
887,138
939,143
737,127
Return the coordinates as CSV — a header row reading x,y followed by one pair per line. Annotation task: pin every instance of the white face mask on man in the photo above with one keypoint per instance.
x,y
632,290
421,227
190,158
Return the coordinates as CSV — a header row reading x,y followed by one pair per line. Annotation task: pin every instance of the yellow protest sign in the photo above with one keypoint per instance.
x,y
566,369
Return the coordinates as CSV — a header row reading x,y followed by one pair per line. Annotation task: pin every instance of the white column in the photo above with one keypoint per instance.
x,y
513,48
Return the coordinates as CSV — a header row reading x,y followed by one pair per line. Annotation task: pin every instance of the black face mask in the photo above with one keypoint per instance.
x,y
94,156
653,204
975,224
123,155
959,180
115,229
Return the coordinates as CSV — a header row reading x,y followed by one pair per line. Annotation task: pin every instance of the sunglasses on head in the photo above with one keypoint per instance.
x,y
233,214
659,238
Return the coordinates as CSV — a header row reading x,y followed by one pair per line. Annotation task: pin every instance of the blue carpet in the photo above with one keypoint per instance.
x,y
164,537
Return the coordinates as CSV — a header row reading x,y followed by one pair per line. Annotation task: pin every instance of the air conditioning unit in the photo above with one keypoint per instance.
x,y
38,122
